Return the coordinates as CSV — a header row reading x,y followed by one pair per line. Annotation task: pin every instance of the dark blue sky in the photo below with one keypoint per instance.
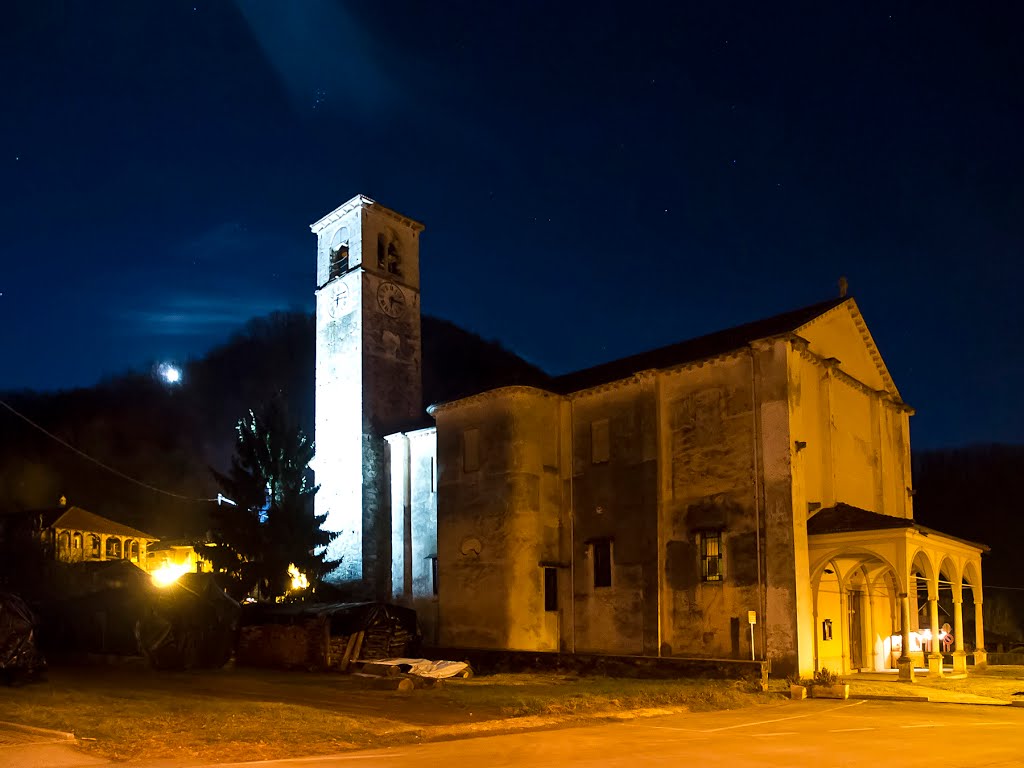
x,y
594,183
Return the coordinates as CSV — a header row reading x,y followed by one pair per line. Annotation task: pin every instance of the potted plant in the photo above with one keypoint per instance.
x,y
798,687
828,685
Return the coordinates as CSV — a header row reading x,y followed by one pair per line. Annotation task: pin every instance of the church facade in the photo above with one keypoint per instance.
x,y
742,495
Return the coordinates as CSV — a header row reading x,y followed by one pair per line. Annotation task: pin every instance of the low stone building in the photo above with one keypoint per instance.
x,y
744,494
75,535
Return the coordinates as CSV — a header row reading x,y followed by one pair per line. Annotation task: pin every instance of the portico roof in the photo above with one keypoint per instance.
x,y
845,518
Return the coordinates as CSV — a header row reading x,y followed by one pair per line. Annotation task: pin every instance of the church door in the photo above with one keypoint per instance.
x,y
855,602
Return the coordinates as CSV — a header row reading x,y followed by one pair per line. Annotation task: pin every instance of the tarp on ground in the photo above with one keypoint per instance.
x,y
18,654
438,670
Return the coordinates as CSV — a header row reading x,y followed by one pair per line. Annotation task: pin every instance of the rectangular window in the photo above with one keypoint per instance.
x,y
602,551
433,474
711,555
550,589
599,444
433,574
471,450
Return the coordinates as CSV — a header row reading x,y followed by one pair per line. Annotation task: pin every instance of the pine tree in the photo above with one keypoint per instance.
x,y
273,525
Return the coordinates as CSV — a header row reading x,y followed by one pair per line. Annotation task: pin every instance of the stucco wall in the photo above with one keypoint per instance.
x,y
413,494
497,523
709,443
615,498
856,443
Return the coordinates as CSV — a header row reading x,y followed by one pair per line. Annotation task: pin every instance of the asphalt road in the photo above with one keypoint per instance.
x,y
806,734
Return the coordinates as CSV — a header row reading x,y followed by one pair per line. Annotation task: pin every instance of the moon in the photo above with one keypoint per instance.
x,y
169,373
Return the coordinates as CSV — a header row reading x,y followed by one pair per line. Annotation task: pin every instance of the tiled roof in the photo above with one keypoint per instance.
x,y
78,519
843,518
700,348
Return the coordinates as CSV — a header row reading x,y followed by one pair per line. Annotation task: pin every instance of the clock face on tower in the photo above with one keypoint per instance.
x,y
340,304
390,299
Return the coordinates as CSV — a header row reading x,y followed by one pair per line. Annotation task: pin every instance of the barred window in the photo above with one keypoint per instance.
x,y
711,556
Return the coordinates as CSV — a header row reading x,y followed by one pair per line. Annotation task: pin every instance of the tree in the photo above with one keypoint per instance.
x,y
273,524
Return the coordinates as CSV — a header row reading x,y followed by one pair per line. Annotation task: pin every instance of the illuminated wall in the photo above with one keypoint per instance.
x,y
368,376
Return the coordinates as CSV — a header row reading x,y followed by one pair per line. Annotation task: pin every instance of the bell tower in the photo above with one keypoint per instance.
x,y
368,377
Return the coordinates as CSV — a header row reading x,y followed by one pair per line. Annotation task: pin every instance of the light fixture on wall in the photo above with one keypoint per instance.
x,y
911,492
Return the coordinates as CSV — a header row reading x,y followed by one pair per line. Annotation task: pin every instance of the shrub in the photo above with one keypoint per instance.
x,y
824,676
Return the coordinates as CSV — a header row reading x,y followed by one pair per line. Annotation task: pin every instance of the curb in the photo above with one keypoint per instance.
x,y
886,697
37,731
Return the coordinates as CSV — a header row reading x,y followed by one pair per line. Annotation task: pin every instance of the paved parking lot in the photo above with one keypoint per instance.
x,y
857,733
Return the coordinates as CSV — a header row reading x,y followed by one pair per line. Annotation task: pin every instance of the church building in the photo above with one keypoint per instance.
x,y
662,504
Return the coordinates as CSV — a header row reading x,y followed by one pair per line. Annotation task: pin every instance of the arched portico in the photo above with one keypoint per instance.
x,y
879,592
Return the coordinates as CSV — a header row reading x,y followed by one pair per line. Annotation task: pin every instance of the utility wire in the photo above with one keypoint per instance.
x,y
107,467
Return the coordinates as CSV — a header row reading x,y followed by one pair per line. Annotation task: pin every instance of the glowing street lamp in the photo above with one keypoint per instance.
x,y
168,573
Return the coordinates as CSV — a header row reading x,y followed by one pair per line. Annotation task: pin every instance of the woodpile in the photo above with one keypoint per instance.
x,y
325,636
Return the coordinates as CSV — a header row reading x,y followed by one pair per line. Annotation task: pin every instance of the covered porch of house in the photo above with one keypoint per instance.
x,y
888,594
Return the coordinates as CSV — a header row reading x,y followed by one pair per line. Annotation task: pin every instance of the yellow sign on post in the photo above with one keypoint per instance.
x,y
752,618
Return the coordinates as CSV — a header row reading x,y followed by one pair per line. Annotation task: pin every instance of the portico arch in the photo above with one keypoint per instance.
x,y
855,596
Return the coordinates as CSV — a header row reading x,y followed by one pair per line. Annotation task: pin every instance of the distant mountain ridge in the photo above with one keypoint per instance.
x,y
169,437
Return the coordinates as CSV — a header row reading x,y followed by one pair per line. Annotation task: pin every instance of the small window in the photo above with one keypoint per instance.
x,y
711,555
433,574
134,551
94,545
471,450
433,474
599,447
76,542
550,589
602,551
381,251
114,548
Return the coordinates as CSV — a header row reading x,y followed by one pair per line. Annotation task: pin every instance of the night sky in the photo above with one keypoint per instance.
x,y
594,183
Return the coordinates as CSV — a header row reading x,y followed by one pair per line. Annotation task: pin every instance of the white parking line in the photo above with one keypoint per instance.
x,y
847,730
781,733
989,723
781,719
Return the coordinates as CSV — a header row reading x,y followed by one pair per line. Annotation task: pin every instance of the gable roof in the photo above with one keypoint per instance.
x,y
843,518
692,350
78,519
870,357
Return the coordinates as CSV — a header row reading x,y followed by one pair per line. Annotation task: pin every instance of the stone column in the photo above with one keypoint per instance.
x,y
980,657
904,662
935,656
959,656
844,629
